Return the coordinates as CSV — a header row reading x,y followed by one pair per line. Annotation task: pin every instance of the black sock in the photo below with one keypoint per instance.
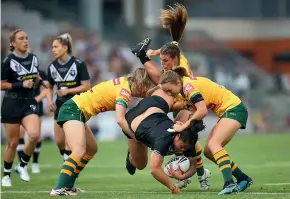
x,y
36,152
20,148
61,151
24,160
66,154
7,168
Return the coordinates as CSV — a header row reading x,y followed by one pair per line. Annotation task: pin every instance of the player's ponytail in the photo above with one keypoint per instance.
x,y
191,134
12,38
66,40
174,19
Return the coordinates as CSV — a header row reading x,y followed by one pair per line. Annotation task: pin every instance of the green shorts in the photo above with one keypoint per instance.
x,y
238,113
70,111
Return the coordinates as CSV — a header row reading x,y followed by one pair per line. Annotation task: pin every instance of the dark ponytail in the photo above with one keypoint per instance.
x,y
191,134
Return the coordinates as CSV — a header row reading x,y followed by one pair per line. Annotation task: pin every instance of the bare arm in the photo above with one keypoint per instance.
x,y
153,71
122,122
199,114
5,85
42,95
85,85
158,173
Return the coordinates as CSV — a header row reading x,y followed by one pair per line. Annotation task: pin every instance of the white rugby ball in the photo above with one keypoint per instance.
x,y
177,162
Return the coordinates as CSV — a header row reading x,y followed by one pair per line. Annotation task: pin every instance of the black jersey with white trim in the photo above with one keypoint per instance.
x,y
68,75
18,69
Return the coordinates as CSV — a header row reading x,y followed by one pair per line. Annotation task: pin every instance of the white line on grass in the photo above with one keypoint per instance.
x,y
253,166
149,192
277,184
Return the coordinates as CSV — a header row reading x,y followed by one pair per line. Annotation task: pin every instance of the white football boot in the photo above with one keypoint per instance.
x,y
23,174
61,192
204,180
35,168
181,184
6,181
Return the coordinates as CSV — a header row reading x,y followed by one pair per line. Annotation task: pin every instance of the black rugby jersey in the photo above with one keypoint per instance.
x,y
18,69
68,75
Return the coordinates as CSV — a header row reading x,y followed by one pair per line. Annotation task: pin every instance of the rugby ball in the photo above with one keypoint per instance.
x,y
177,162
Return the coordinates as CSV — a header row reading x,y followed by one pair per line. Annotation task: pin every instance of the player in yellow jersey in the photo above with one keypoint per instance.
x,y
113,95
174,19
204,94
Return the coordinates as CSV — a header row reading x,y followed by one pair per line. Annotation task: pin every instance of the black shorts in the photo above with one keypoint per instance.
x,y
155,123
13,110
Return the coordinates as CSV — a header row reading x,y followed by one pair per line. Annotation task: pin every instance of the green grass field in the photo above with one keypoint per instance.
x,y
264,157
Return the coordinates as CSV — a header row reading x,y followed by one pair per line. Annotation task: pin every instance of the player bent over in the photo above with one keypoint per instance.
x,y
149,122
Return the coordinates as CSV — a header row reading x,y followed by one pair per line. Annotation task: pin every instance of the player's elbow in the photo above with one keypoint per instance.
x,y
154,168
202,112
121,121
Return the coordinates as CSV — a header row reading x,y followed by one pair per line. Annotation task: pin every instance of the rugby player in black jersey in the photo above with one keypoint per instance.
x,y
150,123
40,94
19,74
70,76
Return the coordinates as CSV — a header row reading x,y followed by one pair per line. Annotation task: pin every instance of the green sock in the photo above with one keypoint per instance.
x,y
66,173
223,160
237,172
84,161
199,162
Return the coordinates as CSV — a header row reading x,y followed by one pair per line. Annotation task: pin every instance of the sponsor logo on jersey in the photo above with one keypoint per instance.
x,y
211,106
188,88
103,109
125,93
116,81
72,72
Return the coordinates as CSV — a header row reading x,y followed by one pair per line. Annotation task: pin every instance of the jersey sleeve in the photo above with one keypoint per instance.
x,y
5,69
192,94
123,96
42,74
163,146
83,71
49,77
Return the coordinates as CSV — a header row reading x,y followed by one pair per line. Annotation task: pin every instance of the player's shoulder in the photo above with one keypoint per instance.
x,y
78,61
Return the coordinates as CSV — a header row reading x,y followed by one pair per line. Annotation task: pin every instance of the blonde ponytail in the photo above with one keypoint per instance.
x,y
174,19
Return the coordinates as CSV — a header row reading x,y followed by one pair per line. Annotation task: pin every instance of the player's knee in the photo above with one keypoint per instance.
x,y
207,152
141,165
60,143
92,150
212,146
13,143
79,152
34,137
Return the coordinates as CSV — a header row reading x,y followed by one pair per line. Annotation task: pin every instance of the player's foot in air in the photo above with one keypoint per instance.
x,y
6,181
23,174
245,183
61,192
229,187
130,168
141,48
204,180
35,168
